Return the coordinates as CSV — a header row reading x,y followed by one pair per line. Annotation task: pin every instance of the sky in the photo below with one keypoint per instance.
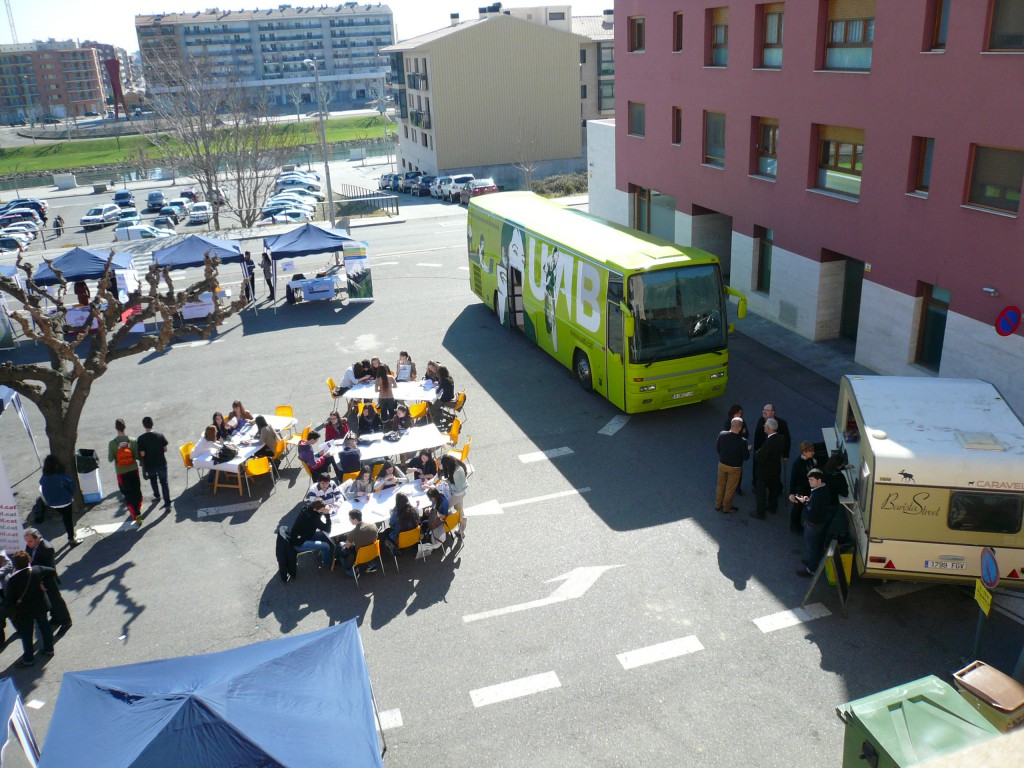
x,y
113,21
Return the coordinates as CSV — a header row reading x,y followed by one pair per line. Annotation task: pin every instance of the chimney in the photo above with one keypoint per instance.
x,y
609,18
455,19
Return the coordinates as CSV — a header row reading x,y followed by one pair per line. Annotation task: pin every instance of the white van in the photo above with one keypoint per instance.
x,y
937,475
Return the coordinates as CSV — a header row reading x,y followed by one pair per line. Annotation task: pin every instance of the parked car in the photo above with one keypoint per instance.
x,y
20,235
140,232
183,203
90,113
291,216
10,244
407,179
21,214
450,191
300,195
287,202
100,216
191,193
422,187
124,198
39,206
17,123
50,121
299,171
217,197
130,215
172,213
164,222
476,188
201,213
297,182
155,200
385,181
26,228
439,181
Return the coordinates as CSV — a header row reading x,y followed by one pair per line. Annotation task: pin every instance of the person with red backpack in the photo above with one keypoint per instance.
x,y
123,451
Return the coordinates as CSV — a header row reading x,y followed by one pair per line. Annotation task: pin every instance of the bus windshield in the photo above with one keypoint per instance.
x,y
679,312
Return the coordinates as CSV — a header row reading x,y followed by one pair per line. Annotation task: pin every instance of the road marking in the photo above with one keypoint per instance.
x,y
102,529
891,589
613,426
390,719
420,250
203,343
575,584
492,507
784,619
428,264
464,269
660,652
529,458
384,263
546,497
515,689
35,704
228,510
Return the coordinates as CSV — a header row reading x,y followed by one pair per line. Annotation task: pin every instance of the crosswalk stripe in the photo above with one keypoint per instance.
x,y
661,652
784,619
514,689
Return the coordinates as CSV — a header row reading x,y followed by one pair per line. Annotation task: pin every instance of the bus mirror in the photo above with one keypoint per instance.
x,y
628,321
741,306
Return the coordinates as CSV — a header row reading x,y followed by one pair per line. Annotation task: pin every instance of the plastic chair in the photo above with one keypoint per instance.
x,y
453,433
407,540
331,386
418,411
304,435
459,407
257,467
349,476
376,470
186,458
450,524
365,555
279,451
464,453
284,410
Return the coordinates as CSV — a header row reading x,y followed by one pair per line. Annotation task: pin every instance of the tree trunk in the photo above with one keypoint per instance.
x,y
61,424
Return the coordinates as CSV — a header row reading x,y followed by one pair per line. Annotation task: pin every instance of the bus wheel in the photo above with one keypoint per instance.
x,y
581,367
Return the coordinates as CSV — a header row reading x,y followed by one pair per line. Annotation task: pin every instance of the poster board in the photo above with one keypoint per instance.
x,y
12,535
357,269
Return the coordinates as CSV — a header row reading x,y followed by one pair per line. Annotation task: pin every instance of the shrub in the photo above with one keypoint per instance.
x,y
562,185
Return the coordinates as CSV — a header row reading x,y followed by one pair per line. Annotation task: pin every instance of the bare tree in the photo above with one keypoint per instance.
x,y
525,155
77,357
295,97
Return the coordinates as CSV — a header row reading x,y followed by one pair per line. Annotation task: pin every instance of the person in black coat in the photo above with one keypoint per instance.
x,y
312,529
41,552
768,471
25,599
736,410
798,485
816,515
768,412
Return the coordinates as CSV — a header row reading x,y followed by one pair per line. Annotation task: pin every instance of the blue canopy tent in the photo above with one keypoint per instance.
x,y
302,700
191,252
81,264
12,714
309,240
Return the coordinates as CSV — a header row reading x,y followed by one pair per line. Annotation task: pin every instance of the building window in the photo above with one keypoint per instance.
x,y
764,239
1007,30
851,32
719,34
642,209
938,14
636,34
637,119
996,178
930,336
423,136
840,160
583,55
583,91
923,150
771,41
606,59
767,147
714,139
556,16
677,32
405,128
606,95
677,125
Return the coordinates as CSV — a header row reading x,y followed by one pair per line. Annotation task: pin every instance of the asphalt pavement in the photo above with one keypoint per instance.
x,y
598,613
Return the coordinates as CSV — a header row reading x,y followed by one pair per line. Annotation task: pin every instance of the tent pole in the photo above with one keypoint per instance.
x,y
380,726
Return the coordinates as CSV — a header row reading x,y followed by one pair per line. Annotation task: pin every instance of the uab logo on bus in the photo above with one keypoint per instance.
x,y
567,286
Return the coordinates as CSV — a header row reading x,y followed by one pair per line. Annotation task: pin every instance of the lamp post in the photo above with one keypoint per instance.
x,y
311,64
28,108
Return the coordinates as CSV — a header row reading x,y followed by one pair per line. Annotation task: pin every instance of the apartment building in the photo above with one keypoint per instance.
x,y
265,49
56,78
857,166
503,92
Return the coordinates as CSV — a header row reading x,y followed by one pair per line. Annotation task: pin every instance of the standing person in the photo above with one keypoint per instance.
x,y
768,412
737,410
58,225
732,452
768,463
249,281
268,273
123,452
58,492
153,452
26,605
454,472
815,520
41,552
798,485
385,394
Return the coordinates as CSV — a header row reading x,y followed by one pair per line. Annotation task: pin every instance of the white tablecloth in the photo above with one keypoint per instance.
x,y
377,509
247,444
203,307
403,391
415,439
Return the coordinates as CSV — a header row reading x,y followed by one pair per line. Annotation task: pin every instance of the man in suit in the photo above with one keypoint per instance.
x,y
768,470
768,412
817,511
26,603
41,552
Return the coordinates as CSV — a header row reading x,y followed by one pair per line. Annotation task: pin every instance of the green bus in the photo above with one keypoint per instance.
x,y
636,318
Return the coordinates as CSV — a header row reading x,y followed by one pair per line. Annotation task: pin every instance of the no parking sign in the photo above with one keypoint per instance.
x,y
1008,321
989,568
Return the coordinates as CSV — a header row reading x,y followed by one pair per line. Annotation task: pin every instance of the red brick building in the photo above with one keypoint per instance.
x,y
56,78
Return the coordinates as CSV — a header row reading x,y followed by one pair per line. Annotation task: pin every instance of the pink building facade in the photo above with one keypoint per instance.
x,y
856,165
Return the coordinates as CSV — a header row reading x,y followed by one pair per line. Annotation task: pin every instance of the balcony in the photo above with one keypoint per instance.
x,y
417,81
419,118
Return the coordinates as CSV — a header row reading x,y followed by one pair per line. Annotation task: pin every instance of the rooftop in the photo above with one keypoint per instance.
x,y
593,27
281,12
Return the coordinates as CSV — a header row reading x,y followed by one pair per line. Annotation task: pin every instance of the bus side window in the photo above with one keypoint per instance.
x,y
986,512
614,323
614,288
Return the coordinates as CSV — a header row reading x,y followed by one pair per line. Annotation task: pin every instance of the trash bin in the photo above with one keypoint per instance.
x,y
87,463
909,725
997,696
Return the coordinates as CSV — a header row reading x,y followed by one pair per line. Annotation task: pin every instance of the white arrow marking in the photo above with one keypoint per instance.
x,y
575,584
613,426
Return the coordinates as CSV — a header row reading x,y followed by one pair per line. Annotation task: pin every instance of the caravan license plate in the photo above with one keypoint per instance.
x,y
681,395
946,565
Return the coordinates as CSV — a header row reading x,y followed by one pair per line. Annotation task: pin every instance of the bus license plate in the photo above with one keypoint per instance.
x,y
681,395
946,565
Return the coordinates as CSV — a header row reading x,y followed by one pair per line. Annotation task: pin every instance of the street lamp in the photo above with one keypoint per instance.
x,y
311,64
28,107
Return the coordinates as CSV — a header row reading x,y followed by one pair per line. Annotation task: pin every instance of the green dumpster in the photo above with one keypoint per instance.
x,y
910,724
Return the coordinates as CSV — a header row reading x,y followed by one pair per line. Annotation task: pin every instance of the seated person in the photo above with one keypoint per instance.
x,y
336,427
82,292
402,420
360,488
239,416
362,535
404,517
422,467
308,455
438,502
405,368
431,374
349,459
208,444
352,415
375,367
354,374
446,396
326,489
311,531
390,476
268,437
223,430
369,420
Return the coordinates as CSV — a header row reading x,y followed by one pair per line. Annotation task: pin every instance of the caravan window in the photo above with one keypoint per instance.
x,y
986,512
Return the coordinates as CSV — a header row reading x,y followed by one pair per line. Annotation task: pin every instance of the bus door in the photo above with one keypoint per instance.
x,y
515,299
615,345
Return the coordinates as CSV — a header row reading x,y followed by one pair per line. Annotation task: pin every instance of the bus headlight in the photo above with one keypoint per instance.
x,y
718,375
648,388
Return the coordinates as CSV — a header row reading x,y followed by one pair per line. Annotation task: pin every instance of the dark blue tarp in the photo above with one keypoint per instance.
x,y
300,700
307,240
191,251
81,264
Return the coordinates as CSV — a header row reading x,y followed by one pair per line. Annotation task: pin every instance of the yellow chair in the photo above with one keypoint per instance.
x,y
366,555
279,451
331,386
349,476
464,453
284,410
450,524
186,458
418,411
376,470
304,435
453,433
407,540
257,467
459,407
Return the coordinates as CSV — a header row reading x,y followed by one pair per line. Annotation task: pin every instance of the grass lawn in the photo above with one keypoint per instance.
x,y
49,155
